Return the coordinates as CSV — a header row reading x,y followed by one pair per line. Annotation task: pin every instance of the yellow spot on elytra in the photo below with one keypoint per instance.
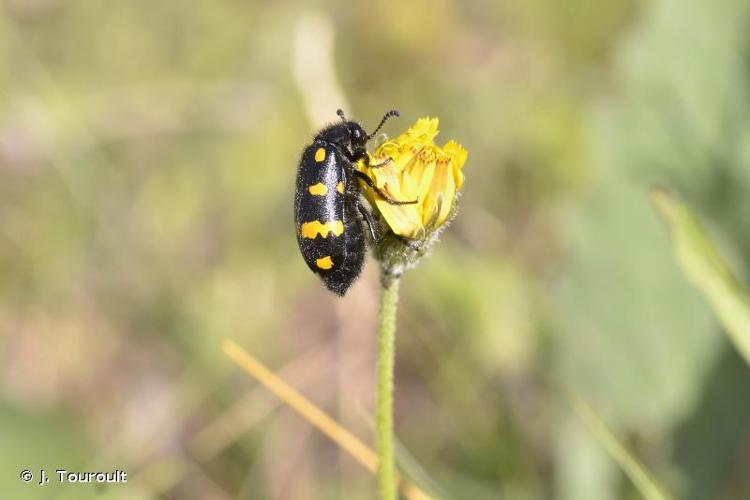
x,y
324,263
318,189
320,154
312,229
340,187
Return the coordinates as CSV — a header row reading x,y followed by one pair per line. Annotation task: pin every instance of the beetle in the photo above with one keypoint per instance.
x,y
327,204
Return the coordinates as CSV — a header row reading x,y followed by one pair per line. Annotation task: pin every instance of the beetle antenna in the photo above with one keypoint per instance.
x,y
340,112
393,112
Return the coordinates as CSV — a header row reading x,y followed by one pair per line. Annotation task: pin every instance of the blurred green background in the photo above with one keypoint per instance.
x,y
147,160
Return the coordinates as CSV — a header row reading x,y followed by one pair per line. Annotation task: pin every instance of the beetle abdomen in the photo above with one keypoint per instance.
x,y
347,267
329,232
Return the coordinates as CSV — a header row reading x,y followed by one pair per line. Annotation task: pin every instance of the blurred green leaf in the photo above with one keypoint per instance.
x,y
637,473
410,466
705,267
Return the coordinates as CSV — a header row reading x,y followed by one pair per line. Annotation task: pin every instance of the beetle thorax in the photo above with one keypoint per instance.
x,y
349,135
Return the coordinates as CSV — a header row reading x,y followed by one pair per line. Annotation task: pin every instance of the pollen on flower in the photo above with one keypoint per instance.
x,y
418,170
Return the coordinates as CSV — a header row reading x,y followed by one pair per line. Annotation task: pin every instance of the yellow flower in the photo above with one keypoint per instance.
x,y
418,170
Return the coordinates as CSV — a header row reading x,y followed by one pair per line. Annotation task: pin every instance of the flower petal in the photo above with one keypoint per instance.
x,y
441,194
403,220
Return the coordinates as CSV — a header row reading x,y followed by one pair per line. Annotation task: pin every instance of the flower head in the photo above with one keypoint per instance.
x,y
413,167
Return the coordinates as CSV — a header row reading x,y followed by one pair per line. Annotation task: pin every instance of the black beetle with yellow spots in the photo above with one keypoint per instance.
x,y
327,205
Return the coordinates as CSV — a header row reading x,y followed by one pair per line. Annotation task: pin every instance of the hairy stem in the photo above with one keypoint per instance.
x,y
384,412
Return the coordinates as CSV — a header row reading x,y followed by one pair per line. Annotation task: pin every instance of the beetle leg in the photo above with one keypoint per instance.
x,y
381,164
380,193
369,220
360,154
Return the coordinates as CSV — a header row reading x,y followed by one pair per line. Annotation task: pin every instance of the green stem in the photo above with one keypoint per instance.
x,y
384,412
